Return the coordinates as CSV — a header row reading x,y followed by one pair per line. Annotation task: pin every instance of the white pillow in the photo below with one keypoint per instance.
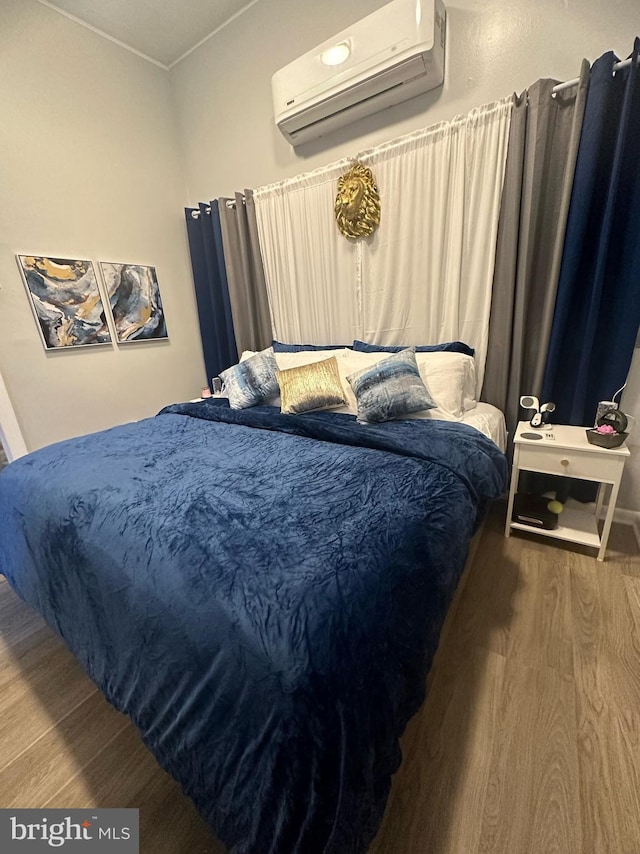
x,y
449,377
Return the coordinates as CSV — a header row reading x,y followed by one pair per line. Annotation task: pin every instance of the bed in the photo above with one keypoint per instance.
x,y
261,593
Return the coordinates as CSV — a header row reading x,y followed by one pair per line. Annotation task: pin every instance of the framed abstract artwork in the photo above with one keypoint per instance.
x,y
134,299
66,301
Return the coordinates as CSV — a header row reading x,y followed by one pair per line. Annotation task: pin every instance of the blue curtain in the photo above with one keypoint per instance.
x,y
212,291
597,311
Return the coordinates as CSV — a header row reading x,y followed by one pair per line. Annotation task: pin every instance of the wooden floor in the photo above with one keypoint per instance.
x,y
528,743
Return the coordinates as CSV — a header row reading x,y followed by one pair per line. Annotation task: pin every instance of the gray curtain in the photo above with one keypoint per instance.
x,y
245,273
543,146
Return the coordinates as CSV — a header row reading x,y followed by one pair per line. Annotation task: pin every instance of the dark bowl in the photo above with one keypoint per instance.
x,y
605,440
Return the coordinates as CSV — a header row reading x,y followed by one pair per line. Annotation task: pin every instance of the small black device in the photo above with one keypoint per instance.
x,y
533,510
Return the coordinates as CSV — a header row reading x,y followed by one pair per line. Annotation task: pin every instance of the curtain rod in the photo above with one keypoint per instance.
x,y
196,214
569,83
230,203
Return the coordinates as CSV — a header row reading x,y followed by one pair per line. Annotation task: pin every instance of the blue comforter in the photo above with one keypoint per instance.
x,y
262,594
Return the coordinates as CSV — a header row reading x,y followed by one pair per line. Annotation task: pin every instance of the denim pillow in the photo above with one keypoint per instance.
x,y
252,381
451,346
278,347
390,388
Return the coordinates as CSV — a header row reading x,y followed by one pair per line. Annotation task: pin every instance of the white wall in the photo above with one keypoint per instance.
x,y
90,167
223,97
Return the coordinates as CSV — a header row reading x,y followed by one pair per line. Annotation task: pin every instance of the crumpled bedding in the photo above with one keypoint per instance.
x,y
262,594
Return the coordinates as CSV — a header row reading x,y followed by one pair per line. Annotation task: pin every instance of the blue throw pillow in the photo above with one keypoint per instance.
x,y
451,346
253,381
278,347
390,388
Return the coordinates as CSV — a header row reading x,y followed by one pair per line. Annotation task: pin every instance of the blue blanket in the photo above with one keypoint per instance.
x,y
262,594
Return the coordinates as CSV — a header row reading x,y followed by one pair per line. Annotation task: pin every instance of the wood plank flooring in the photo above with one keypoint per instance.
x,y
529,740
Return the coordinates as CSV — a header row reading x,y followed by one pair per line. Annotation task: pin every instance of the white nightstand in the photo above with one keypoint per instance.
x,y
569,454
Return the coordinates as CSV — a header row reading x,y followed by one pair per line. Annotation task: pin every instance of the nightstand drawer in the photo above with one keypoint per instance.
x,y
582,464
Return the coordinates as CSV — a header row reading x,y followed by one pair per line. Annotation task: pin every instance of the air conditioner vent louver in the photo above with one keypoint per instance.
x,y
395,53
384,80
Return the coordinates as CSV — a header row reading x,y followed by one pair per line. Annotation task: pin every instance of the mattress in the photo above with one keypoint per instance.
x,y
489,420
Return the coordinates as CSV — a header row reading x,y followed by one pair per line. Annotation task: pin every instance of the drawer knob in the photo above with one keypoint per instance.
x,y
564,462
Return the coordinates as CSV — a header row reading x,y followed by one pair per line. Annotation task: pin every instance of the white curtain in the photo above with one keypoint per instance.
x,y
309,266
425,275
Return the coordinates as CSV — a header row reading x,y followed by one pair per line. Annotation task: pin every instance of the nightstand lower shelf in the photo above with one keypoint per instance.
x,y
577,526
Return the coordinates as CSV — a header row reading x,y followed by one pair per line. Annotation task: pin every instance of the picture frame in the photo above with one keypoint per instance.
x,y
133,297
66,301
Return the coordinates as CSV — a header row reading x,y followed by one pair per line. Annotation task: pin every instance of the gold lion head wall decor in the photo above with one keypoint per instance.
x,y
357,206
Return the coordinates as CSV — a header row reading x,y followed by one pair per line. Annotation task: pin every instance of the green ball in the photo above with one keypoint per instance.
x,y
555,506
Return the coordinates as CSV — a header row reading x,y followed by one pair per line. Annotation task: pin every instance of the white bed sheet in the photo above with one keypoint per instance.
x,y
489,420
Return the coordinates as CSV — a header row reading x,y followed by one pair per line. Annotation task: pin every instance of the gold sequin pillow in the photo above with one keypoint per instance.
x,y
315,386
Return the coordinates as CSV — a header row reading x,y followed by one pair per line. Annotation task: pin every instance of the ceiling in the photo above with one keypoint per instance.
x,y
159,29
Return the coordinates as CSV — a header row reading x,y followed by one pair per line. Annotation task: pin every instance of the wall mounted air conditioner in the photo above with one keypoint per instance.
x,y
389,56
